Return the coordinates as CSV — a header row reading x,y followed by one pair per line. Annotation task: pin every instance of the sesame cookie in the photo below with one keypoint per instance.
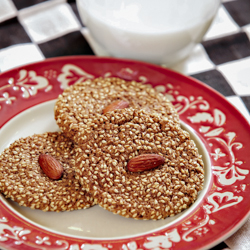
x,y
157,193
23,180
82,102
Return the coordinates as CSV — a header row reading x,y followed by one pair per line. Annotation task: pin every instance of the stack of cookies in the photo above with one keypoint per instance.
x,y
121,147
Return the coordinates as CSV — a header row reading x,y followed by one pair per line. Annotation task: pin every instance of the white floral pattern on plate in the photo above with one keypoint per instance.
x,y
231,171
209,121
29,83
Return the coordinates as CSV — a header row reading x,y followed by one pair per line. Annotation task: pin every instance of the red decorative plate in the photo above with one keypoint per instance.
x,y
27,96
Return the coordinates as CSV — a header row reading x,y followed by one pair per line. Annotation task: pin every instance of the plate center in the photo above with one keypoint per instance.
x,y
92,222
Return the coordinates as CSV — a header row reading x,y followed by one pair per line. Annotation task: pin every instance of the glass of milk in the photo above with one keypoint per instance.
x,y
156,31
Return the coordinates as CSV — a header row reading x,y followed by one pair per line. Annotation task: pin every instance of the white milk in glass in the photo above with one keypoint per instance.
x,y
158,31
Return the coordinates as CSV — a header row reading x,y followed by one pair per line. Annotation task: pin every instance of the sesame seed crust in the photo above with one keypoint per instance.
x,y
152,194
23,180
82,102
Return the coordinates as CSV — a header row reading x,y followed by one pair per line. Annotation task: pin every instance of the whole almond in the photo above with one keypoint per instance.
x,y
120,104
50,166
145,162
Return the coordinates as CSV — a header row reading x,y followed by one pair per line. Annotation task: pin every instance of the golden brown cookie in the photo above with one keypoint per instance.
x,y
23,180
157,193
82,102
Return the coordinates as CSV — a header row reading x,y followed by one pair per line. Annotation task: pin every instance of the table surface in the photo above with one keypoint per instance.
x,y
32,30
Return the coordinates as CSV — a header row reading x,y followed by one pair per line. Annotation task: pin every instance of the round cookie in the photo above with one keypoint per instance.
x,y
23,180
82,102
152,194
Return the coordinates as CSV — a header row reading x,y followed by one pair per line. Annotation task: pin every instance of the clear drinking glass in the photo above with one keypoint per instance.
x,y
159,31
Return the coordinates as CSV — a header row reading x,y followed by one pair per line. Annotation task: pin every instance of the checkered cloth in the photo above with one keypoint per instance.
x,y
32,30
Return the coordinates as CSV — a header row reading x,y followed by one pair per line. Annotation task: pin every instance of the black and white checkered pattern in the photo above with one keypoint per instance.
x,y
32,30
